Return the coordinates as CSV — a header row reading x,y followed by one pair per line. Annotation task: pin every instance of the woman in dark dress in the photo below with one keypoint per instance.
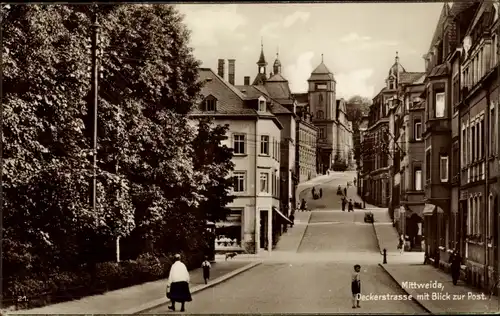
x,y
178,284
456,262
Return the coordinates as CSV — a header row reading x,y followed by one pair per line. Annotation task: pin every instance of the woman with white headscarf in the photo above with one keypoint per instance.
x,y
178,284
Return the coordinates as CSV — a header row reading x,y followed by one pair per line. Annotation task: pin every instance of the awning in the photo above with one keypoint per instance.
x,y
282,215
429,209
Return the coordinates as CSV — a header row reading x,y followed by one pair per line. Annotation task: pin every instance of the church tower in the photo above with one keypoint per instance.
x,y
261,77
322,93
323,106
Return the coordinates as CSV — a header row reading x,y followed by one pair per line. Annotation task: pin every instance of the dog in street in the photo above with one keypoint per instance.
x,y
230,255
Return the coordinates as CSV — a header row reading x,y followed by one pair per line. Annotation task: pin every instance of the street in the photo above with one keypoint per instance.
x,y
315,279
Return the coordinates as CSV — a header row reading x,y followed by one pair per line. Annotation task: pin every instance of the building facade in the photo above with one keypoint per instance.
x,y
335,135
476,121
254,134
306,138
461,119
276,88
409,214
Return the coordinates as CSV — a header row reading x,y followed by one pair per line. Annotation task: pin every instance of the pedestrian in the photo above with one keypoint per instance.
x,y
343,204
178,284
345,191
303,206
456,262
320,192
401,244
356,286
351,206
206,266
292,219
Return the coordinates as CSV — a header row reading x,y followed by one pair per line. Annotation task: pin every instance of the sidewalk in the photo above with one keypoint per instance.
x,y
462,299
137,298
290,241
387,238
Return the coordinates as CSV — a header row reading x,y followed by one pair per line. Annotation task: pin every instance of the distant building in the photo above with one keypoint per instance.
x,y
256,219
335,135
306,137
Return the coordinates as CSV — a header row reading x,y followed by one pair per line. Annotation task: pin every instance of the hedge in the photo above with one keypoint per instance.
x,y
108,276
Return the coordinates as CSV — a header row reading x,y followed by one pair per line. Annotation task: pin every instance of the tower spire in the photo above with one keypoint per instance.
x,y
321,58
397,58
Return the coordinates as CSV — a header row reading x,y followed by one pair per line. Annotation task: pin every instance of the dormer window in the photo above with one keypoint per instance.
x,y
391,85
210,104
262,106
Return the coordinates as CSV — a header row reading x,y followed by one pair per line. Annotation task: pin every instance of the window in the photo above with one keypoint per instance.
x,y
264,182
321,133
321,86
469,216
210,105
464,146
440,104
320,115
239,144
262,106
418,130
494,51
492,130
391,85
473,143
481,137
428,166
443,168
320,99
491,218
239,181
418,179
264,145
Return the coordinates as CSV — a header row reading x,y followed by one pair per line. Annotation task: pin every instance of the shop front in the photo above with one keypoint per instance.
x,y
229,233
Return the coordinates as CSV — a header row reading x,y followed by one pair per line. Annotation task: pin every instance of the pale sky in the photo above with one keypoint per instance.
x,y
358,40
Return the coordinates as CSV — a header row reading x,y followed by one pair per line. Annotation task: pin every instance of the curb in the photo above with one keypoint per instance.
x,y
162,301
304,233
413,298
376,237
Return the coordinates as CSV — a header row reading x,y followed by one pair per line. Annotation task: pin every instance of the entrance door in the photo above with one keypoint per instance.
x,y
263,229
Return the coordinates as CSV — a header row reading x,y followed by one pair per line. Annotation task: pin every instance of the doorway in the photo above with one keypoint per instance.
x,y
263,228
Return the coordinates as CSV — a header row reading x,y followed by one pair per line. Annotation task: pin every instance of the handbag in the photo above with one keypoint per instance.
x,y
167,292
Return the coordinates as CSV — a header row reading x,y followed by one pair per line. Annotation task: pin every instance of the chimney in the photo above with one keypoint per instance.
x,y
220,69
246,80
230,71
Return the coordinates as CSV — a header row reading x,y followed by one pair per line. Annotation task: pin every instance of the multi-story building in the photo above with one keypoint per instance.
x,y
409,214
363,126
375,154
276,87
476,120
461,118
255,135
306,137
334,131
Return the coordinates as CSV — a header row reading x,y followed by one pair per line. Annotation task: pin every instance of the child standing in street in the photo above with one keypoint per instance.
x,y
356,286
206,269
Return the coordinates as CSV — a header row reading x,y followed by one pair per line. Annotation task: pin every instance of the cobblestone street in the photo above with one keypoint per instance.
x,y
316,278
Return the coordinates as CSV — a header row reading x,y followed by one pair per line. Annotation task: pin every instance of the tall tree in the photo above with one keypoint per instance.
x,y
357,106
213,158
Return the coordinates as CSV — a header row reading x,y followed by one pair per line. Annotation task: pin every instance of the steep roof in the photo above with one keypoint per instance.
x,y
229,99
321,73
253,92
438,31
410,77
277,78
439,70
